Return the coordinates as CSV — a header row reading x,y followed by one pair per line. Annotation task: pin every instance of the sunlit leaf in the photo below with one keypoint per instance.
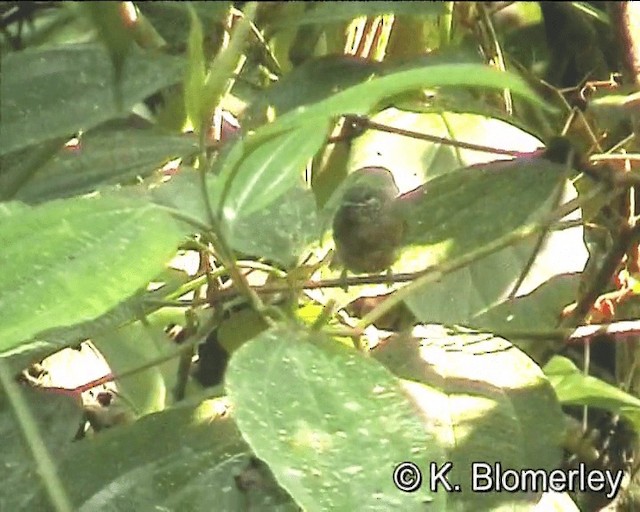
x,y
52,254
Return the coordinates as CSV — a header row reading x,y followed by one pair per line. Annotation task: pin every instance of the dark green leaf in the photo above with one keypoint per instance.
x,y
331,12
457,214
49,93
57,418
105,157
182,459
281,231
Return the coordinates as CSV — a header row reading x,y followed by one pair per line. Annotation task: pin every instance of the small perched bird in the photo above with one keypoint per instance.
x,y
368,228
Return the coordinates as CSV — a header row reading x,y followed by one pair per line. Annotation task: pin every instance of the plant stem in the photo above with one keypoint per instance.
x,y
41,456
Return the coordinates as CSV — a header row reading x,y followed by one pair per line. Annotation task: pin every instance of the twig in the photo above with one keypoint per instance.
x,y
363,123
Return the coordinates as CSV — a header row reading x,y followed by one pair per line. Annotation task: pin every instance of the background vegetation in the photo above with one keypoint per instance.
x,y
169,178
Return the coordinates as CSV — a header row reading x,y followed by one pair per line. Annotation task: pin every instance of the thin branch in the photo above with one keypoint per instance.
x,y
363,123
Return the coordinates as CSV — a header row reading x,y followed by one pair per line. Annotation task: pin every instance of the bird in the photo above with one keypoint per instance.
x,y
368,229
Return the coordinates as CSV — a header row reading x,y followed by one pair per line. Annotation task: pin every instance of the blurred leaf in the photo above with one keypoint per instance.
x,y
613,110
181,459
54,253
322,13
57,418
574,387
362,98
483,400
108,18
172,19
335,410
49,93
226,62
314,80
195,73
104,157
18,167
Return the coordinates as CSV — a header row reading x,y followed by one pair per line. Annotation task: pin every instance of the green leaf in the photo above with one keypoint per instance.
x,y
322,13
54,253
312,81
131,347
268,170
484,400
319,414
181,459
172,19
458,215
105,157
281,231
574,387
49,93
362,98
533,313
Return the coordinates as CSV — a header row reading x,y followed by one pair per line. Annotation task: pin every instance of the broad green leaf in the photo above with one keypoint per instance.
x,y
458,215
533,313
18,167
52,255
281,231
485,401
362,98
574,387
57,418
456,212
186,458
320,414
49,93
104,157
268,170
322,13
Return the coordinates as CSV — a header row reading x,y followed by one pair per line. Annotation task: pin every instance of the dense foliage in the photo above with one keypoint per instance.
x,y
256,255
